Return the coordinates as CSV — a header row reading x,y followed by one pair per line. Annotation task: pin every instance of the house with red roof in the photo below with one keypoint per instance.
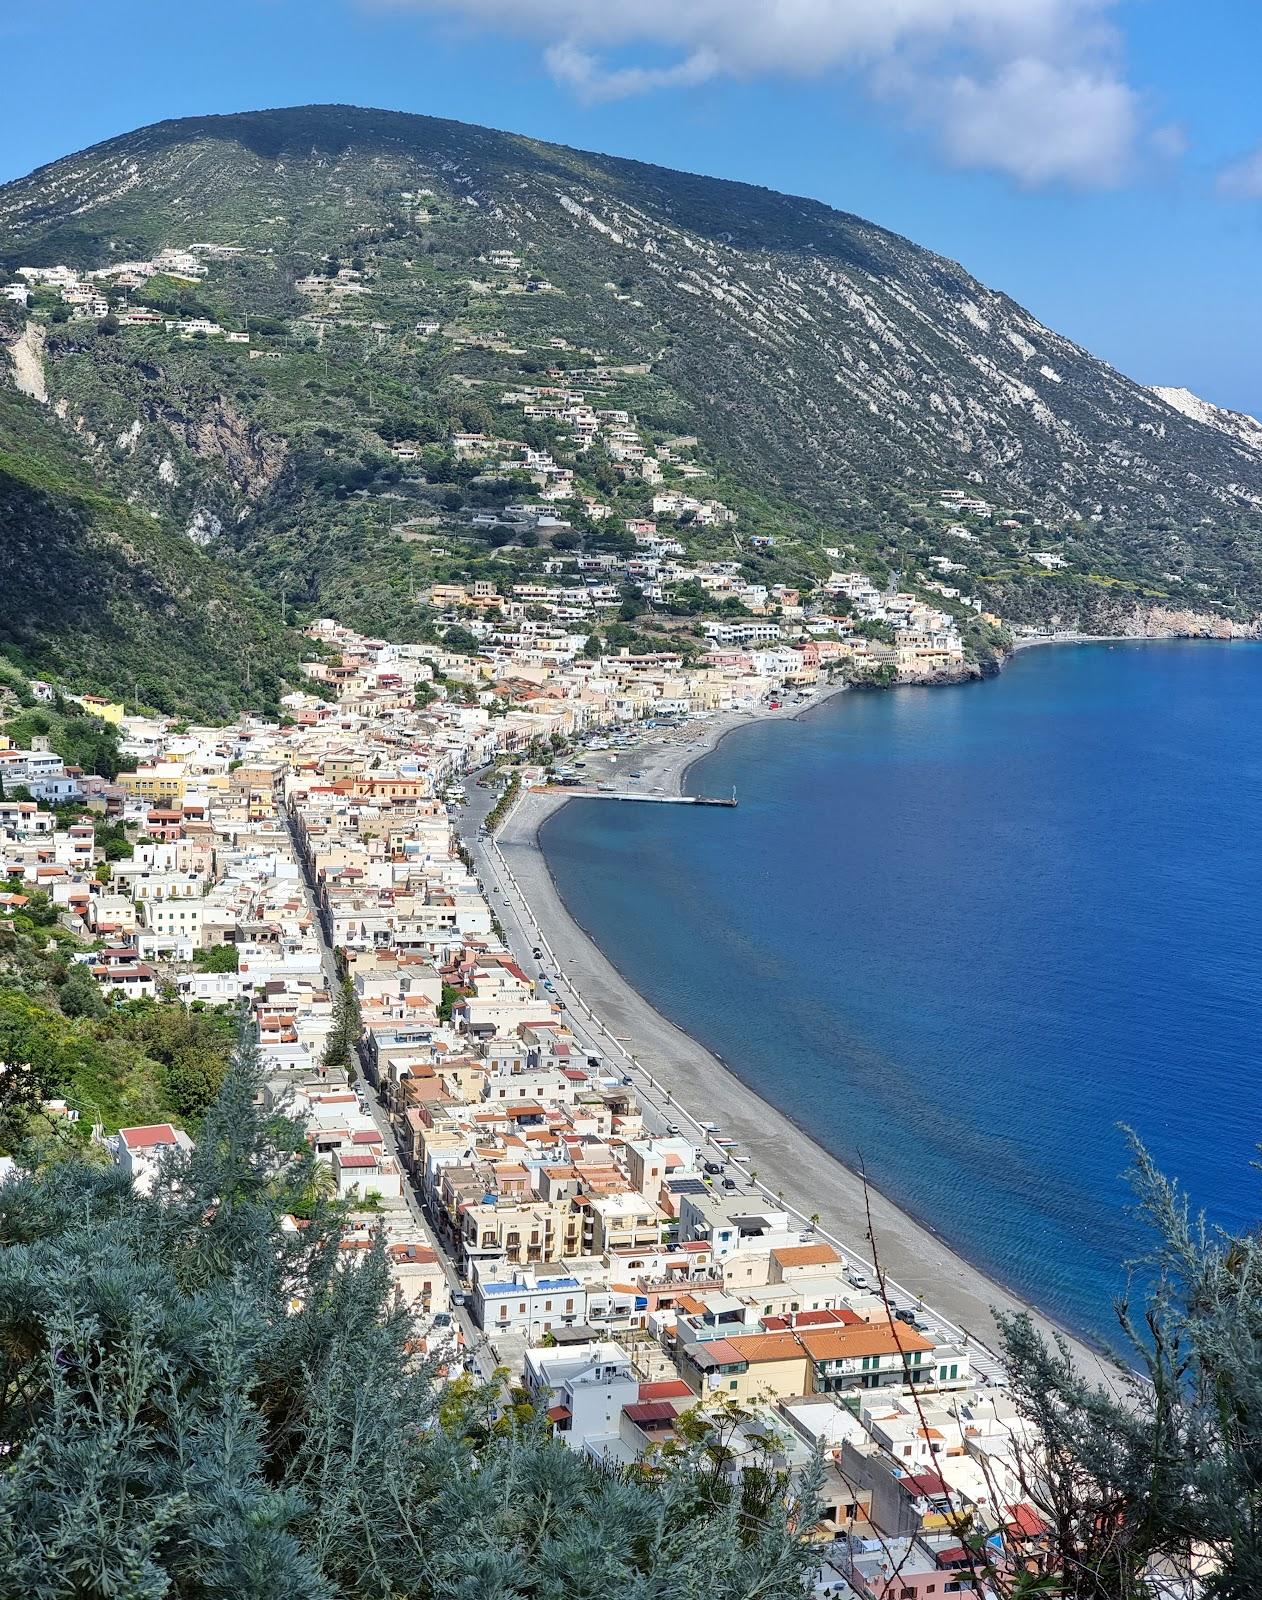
x,y
139,1152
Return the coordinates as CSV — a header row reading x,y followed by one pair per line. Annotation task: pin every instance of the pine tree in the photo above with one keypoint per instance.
x,y
340,1047
198,1403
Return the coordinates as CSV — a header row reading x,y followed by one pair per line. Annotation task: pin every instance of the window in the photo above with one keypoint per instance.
x,y
732,1384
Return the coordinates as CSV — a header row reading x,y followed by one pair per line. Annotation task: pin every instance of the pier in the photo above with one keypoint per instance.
x,y
581,792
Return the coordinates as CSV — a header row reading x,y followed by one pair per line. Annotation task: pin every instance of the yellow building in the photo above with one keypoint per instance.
x,y
108,710
746,1367
164,782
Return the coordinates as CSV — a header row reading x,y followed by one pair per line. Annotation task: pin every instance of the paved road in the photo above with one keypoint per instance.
x,y
477,1351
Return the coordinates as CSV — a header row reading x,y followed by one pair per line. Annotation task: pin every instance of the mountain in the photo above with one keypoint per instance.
x,y
838,387
1238,426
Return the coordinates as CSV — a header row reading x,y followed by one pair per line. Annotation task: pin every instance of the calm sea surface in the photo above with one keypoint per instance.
x,y
966,932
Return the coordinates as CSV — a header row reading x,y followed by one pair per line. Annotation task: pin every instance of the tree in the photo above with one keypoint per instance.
x,y
632,605
1165,1470
339,1049
201,1402
220,958
462,641
193,1081
35,1047
80,995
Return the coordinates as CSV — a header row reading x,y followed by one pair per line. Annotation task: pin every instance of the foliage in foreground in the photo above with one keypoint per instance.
x,y
171,1426
1163,1476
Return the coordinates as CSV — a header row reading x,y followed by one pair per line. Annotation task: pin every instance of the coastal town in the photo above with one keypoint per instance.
x,y
555,1221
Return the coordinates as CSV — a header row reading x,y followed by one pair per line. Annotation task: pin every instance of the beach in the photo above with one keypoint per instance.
x,y
677,1077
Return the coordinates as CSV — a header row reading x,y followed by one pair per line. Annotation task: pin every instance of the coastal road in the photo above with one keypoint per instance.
x,y
946,1292
662,1110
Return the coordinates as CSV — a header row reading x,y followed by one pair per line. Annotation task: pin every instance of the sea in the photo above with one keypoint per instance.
x,y
971,935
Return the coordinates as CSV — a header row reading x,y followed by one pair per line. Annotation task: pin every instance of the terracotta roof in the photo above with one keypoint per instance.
x,y
146,1138
864,1339
755,1347
666,1389
804,1255
1026,1521
646,1413
413,1254
928,1483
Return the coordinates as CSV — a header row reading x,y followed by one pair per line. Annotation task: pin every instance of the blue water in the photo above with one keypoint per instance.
x,y
965,932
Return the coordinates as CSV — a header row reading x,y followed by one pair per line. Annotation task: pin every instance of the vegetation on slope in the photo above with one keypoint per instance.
x,y
122,1064
835,375
98,595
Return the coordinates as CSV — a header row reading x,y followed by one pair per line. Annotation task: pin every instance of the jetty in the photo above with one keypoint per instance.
x,y
584,792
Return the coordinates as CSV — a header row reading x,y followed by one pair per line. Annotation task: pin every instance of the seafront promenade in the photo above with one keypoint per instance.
x,y
680,1081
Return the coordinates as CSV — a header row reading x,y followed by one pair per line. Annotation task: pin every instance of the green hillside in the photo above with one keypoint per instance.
x,y
399,276
97,594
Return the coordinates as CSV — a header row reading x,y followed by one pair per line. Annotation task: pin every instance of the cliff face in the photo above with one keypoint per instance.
x,y
1163,622
100,596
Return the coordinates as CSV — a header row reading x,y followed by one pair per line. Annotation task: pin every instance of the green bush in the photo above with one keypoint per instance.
x,y
211,1406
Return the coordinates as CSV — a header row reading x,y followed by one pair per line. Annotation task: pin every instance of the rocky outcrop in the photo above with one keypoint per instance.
x,y
26,354
1164,622
251,459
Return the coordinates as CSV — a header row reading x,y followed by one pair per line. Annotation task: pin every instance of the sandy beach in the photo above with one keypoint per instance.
x,y
787,1161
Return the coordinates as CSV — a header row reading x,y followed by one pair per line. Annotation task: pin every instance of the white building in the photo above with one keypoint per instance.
x,y
527,1303
139,1151
583,1389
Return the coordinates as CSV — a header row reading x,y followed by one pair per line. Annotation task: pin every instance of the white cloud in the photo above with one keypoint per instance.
x,y
1170,141
1242,179
1026,87
587,75
1041,123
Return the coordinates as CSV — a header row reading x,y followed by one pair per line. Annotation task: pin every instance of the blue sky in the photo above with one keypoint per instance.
x,y
1099,160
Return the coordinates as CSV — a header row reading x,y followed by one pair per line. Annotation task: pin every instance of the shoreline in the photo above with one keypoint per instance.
x,y
786,1158
1031,642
